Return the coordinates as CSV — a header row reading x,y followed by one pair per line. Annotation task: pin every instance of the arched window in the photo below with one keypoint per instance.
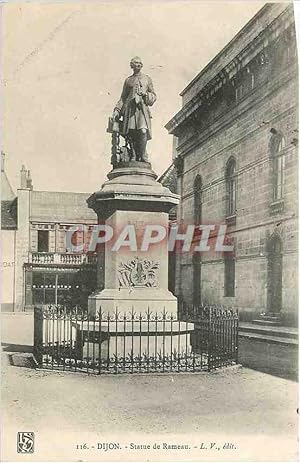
x,y
198,200
274,299
277,146
231,187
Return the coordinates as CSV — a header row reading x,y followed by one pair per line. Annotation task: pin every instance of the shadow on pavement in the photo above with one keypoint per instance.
x,y
16,347
274,359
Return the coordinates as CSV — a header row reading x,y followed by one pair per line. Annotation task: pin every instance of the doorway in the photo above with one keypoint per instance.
x,y
274,299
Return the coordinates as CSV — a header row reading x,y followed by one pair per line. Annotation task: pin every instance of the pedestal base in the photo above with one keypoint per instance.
x,y
137,299
140,340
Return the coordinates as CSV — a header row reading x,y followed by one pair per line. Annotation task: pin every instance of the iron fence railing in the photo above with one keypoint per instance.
x,y
195,339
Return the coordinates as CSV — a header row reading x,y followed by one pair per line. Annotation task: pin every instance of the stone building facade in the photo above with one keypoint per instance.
x,y
237,135
36,267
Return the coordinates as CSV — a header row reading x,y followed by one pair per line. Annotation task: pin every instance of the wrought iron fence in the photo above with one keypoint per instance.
x,y
195,339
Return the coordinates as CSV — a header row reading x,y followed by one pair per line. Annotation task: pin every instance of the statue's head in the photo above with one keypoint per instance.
x,y
136,63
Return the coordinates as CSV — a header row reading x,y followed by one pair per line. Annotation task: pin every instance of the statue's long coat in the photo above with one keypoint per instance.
x,y
135,109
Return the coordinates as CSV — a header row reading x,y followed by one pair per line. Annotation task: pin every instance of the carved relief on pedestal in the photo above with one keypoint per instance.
x,y
138,272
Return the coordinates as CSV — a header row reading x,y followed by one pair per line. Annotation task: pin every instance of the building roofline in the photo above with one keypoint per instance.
x,y
248,25
231,68
165,173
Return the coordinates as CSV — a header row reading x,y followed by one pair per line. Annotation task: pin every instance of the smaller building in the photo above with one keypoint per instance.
x,y
36,266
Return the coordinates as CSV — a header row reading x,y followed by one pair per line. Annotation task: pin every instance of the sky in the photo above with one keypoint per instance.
x,y
63,68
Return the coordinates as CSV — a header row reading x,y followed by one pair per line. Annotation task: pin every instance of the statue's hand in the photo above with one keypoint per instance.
x,y
144,97
150,98
115,115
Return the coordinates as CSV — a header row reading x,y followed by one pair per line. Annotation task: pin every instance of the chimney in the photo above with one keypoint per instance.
x,y
29,180
23,173
2,161
26,182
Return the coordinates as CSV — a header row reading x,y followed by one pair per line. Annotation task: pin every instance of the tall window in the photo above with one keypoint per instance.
x,y
65,288
277,146
229,276
198,200
231,187
43,241
44,288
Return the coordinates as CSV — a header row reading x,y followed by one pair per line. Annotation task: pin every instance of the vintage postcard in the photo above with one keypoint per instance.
x,y
149,230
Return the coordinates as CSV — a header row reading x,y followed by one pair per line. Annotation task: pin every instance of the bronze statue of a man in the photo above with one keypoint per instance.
x,y
133,108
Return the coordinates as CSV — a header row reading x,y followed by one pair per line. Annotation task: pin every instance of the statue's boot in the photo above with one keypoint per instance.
x,y
141,145
132,142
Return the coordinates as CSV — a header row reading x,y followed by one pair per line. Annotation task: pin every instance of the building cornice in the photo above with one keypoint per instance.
x,y
230,70
225,119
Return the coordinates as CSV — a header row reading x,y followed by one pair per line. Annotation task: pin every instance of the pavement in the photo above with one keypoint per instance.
x,y
277,359
72,414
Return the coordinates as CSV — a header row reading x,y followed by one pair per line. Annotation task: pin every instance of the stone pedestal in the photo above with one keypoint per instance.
x,y
134,279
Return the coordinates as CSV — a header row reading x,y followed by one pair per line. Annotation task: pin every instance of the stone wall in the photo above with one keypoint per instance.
x,y
22,246
7,269
244,132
